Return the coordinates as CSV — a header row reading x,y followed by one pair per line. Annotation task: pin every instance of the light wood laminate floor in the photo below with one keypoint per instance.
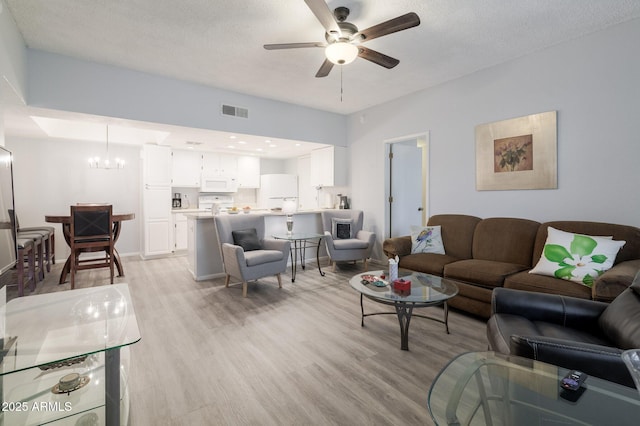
x,y
290,356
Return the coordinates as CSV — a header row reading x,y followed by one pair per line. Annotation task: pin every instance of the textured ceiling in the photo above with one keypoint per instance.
x,y
219,43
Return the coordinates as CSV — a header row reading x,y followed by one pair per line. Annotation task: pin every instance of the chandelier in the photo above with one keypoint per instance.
x,y
96,163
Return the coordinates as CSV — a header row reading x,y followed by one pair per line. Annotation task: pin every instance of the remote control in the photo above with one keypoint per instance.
x,y
573,380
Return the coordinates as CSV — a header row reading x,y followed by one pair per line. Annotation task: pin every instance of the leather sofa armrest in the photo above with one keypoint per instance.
x,y
596,360
397,246
614,281
571,312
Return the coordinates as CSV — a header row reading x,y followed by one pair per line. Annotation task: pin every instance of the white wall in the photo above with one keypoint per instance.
x,y
594,84
63,83
49,177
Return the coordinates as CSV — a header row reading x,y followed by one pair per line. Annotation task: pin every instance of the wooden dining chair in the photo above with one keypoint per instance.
x,y
91,230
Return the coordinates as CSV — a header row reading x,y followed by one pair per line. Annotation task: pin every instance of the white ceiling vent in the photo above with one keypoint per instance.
x,y
235,111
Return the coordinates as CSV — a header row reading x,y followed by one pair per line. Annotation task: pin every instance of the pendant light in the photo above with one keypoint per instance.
x,y
96,163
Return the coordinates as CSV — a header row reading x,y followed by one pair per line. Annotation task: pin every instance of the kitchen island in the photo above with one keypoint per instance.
x,y
203,249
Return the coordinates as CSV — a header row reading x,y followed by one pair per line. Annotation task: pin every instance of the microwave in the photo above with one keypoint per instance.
x,y
218,184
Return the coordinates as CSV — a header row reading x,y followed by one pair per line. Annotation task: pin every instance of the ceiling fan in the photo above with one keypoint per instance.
x,y
343,39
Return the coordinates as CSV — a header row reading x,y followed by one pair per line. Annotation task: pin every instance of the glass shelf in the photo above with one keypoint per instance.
x,y
45,332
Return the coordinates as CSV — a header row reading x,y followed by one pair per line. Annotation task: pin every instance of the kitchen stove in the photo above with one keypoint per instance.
x,y
215,203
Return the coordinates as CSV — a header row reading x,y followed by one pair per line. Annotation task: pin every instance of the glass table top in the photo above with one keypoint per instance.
x,y
480,388
425,288
47,328
297,236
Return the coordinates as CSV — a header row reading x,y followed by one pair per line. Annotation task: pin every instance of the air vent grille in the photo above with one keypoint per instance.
x,y
234,111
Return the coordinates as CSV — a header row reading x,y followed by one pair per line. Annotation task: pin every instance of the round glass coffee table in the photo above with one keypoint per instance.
x,y
425,290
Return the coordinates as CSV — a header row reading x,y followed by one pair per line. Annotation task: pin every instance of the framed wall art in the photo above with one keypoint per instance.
x,y
519,153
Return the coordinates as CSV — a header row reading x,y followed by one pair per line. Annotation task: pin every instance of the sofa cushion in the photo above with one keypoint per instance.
x,y
247,239
426,240
429,263
482,272
620,321
576,257
457,233
545,284
503,239
350,244
259,257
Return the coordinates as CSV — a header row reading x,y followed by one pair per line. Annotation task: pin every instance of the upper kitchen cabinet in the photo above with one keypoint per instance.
x,y
329,166
186,168
248,172
216,164
156,169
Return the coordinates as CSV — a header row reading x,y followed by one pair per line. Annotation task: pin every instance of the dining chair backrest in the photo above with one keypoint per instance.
x,y
93,222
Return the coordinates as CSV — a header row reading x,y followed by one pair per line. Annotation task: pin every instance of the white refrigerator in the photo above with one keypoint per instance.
x,y
274,188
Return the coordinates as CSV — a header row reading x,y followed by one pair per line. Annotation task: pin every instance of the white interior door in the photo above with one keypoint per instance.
x,y
406,187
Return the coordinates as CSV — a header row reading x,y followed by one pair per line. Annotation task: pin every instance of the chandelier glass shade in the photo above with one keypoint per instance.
x,y
107,163
341,53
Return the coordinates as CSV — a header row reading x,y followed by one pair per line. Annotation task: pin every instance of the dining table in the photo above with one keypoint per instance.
x,y
65,220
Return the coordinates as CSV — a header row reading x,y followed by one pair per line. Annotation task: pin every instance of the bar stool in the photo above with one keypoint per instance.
x,y
48,234
38,244
26,252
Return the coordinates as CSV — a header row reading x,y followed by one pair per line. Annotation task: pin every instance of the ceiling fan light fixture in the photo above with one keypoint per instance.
x,y
341,53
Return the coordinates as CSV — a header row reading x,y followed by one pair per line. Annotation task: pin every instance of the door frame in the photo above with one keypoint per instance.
x,y
422,140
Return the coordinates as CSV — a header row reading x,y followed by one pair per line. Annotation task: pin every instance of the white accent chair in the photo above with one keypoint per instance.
x,y
265,257
344,248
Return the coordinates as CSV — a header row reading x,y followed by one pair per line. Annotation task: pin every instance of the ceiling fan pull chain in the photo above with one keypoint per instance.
x,y
340,83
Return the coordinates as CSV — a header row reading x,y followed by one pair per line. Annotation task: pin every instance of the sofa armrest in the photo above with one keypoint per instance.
x,y
397,246
274,244
614,281
571,312
368,236
596,360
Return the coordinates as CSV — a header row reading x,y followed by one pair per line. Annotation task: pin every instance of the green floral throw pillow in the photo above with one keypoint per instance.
x,y
576,257
426,240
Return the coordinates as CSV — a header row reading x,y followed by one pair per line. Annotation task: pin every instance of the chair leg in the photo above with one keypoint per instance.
x,y
244,289
53,247
111,265
333,268
366,265
226,281
74,265
279,280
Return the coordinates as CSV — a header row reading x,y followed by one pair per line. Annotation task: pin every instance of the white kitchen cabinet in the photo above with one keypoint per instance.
x,y
179,231
217,164
186,167
156,165
156,201
328,166
248,172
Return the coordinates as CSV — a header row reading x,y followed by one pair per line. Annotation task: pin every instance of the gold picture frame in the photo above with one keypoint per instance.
x,y
519,153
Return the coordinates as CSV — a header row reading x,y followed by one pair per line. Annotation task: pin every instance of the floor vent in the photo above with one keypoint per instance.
x,y
235,111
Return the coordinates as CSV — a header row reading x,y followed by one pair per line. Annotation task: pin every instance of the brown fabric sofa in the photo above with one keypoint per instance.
x,y
482,254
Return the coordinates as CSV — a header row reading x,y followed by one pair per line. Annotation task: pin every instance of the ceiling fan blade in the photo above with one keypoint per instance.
x,y
400,23
325,68
377,57
293,45
325,16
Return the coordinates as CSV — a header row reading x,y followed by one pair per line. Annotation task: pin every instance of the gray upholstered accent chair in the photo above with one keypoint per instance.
x,y
246,253
344,237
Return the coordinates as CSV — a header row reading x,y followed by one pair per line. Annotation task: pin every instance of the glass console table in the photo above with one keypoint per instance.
x,y
486,388
61,358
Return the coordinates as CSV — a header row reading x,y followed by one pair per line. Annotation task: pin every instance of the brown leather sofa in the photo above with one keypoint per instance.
x,y
483,254
574,333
